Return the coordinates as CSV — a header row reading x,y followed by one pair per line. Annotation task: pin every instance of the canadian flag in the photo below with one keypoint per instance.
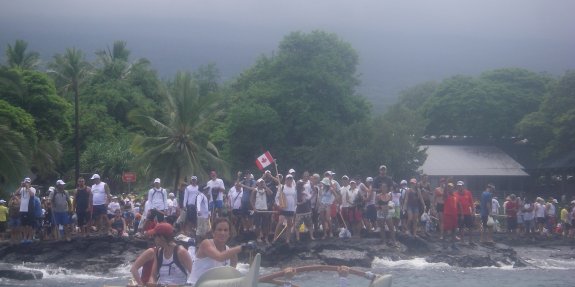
x,y
264,160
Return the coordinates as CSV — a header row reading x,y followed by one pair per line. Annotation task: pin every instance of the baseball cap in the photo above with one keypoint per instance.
x,y
2,201
51,188
291,170
460,182
267,171
403,181
60,182
289,176
369,178
194,177
162,229
27,179
95,176
157,180
260,180
326,181
171,194
382,167
353,181
345,177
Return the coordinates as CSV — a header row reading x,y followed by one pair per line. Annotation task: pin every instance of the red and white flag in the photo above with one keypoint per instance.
x,y
264,160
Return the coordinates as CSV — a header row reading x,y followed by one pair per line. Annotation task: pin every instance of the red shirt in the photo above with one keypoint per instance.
x,y
511,209
466,200
450,205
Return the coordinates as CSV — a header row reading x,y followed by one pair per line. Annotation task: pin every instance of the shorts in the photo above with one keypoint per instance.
x,y
333,210
62,218
99,210
484,221
219,204
191,213
288,214
413,210
370,213
540,220
261,219
397,213
348,213
449,222
439,207
83,218
512,223
3,226
13,222
26,219
203,226
466,221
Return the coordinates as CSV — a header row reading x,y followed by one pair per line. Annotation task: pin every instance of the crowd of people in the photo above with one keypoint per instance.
x,y
271,208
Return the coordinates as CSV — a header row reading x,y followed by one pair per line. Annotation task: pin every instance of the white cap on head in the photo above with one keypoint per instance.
x,y
369,179
403,181
267,171
291,170
260,180
95,176
27,179
60,182
171,194
51,188
157,180
2,201
460,182
289,176
194,177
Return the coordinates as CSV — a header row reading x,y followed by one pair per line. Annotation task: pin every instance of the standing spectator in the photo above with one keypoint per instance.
x,y
171,211
235,203
303,211
3,218
370,212
158,200
203,216
437,204
485,212
465,199
528,216
83,205
551,214
246,205
189,203
259,201
450,211
287,211
411,204
14,219
540,214
100,199
511,213
27,218
216,187
327,197
61,208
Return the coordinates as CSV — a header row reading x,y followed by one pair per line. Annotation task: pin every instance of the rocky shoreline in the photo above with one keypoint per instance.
x,y
98,255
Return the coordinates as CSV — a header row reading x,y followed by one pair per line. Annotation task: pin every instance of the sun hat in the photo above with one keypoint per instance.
x,y
95,176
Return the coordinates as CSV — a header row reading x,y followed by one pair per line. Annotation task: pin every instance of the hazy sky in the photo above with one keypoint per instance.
x,y
401,43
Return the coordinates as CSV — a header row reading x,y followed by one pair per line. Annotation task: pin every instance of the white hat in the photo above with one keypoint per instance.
x,y
51,188
289,176
460,182
171,194
382,167
555,200
403,182
95,176
194,177
2,201
267,171
291,170
260,180
330,172
369,179
27,179
345,177
60,182
573,202
157,180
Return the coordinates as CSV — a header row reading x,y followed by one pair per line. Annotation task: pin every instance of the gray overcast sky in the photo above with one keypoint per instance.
x,y
400,43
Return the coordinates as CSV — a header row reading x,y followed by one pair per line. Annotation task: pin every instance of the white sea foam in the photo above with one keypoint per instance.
x,y
415,263
62,273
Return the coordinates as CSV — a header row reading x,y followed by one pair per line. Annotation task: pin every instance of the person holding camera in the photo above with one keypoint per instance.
x,y
27,218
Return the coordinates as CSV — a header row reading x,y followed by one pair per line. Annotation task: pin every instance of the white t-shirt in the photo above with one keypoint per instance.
x,y
291,195
539,210
190,195
25,198
216,183
112,207
261,199
235,197
158,198
348,196
494,206
99,196
202,205
171,207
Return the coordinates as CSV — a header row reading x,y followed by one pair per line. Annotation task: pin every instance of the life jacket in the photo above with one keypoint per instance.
x,y
176,260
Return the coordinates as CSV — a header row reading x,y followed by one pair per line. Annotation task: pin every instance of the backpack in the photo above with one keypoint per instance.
x,y
176,260
161,193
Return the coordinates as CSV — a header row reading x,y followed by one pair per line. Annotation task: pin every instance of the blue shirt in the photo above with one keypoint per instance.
x,y
485,200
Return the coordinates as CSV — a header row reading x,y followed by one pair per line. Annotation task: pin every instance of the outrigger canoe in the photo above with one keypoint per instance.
x,y
228,276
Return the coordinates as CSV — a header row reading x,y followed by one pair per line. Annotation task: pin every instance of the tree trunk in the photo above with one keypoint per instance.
x,y
76,132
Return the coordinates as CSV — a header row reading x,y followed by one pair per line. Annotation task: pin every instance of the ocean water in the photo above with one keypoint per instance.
x,y
545,272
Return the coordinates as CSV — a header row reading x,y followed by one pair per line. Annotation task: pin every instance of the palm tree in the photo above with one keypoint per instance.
x,y
17,57
179,144
115,62
70,70
13,154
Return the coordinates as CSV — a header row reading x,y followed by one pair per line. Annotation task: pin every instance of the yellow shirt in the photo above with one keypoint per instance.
x,y
3,213
564,214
